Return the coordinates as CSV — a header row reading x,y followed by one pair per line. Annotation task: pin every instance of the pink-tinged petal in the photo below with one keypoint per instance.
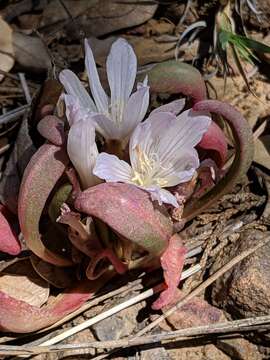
x,y
174,107
98,93
215,144
82,151
121,72
148,134
172,262
41,174
106,127
75,112
162,196
74,87
52,129
135,110
9,242
182,168
110,168
175,77
168,142
193,126
129,211
21,317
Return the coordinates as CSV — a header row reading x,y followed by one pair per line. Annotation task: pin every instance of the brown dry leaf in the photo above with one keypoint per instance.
x,y
31,52
148,50
98,17
6,47
262,151
22,283
101,48
58,277
19,158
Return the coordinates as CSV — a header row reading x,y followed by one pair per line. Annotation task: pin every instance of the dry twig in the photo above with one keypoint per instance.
x,y
249,324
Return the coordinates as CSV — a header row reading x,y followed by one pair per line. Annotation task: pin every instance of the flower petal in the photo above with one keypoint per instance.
x,y
148,135
174,107
99,95
121,71
161,195
106,127
112,169
73,86
180,169
135,110
74,111
162,148
185,133
82,150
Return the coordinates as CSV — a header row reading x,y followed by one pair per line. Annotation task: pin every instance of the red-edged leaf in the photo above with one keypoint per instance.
x,y
52,129
21,317
130,212
172,262
215,144
244,150
9,242
174,77
43,171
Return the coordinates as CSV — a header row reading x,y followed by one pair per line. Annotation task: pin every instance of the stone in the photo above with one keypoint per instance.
x,y
244,290
197,352
155,353
239,349
119,325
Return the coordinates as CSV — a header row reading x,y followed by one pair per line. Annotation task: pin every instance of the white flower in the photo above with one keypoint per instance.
x,y
162,154
115,117
81,144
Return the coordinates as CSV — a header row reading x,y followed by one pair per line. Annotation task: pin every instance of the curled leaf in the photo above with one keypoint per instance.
x,y
9,242
175,77
214,142
22,282
130,212
57,276
244,149
43,171
21,317
52,129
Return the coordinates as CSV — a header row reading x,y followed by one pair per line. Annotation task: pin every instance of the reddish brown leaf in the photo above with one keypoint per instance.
x,y
18,316
9,242
23,283
43,171
52,129
175,77
130,212
215,144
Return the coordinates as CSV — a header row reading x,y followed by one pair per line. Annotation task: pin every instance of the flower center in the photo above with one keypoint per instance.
x,y
147,169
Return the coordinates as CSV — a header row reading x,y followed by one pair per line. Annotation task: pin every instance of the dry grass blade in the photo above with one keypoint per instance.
x,y
249,324
144,295
92,303
25,88
13,115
